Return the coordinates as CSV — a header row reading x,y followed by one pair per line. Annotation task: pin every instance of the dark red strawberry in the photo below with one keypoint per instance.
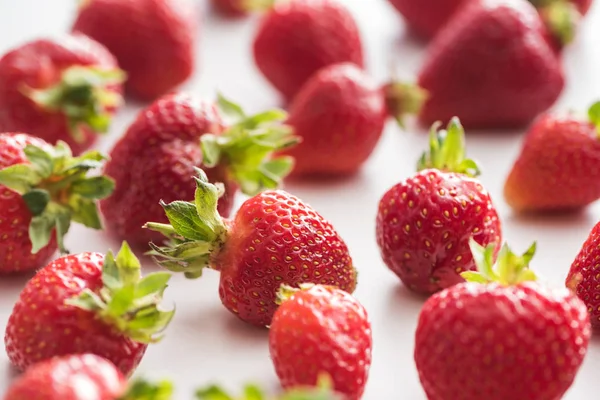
x,y
88,303
42,190
154,40
557,169
424,223
160,151
297,38
65,88
500,336
273,239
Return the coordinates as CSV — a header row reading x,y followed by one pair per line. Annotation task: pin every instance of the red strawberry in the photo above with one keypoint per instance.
x,y
557,169
154,40
296,38
65,88
321,329
424,223
562,17
88,303
161,149
500,336
43,189
273,239
232,8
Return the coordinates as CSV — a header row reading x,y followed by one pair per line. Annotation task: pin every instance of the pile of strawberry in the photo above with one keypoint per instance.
x,y
489,329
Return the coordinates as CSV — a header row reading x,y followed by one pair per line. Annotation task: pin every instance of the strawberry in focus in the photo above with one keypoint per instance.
x,y
153,40
160,151
42,190
60,89
88,303
273,239
501,335
424,223
557,168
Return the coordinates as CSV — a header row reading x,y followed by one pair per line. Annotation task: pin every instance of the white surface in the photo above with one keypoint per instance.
x,y
206,343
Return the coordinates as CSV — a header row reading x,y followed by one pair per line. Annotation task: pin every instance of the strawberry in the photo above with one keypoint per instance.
x,y
557,167
65,88
88,303
425,222
296,38
169,140
42,189
321,329
273,239
562,17
501,335
154,40
62,378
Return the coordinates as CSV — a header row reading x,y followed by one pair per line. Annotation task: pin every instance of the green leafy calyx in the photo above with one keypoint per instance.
x,y
57,190
285,292
509,269
195,231
128,302
84,95
594,116
404,99
141,389
562,18
447,150
247,148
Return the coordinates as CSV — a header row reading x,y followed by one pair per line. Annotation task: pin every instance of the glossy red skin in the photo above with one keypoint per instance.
x,y
277,239
339,110
322,330
557,169
154,40
424,225
39,65
491,65
15,217
495,342
155,161
230,8
60,379
297,38
41,326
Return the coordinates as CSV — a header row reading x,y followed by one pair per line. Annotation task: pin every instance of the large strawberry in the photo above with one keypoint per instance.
x,y
557,168
424,223
65,88
501,335
273,239
157,157
296,38
88,303
154,40
42,189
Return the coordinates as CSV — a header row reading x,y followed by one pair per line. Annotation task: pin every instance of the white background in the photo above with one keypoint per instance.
x,y
206,343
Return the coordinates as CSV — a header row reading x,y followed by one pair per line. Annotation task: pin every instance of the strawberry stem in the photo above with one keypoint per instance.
x,y
403,99
594,116
562,19
141,389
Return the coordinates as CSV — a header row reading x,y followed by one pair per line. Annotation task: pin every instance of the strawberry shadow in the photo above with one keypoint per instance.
x,y
554,219
11,373
11,285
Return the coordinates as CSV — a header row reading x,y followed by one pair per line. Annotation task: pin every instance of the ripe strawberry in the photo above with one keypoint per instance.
x,y
321,329
65,88
77,377
273,239
562,17
164,147
297,38
500,336
88,303
425,222
43,189
557,167
154,40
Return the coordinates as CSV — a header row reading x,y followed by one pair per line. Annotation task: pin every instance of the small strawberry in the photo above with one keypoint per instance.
x,y
154,40
296,38
562,17
88,303
557,169
161,149
424,223
77,377
42,189
273,239
501,335
321,330
65,88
